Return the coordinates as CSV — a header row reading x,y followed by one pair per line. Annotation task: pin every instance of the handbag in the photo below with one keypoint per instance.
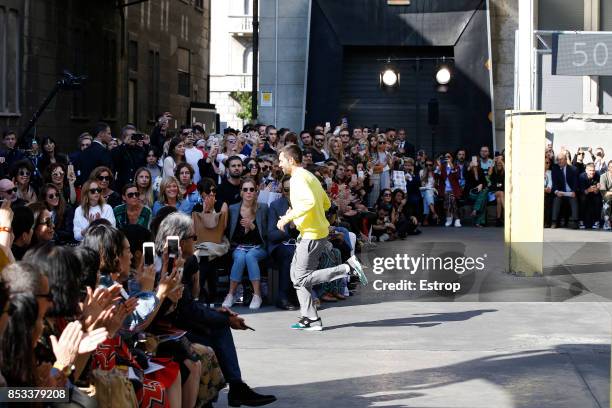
x,y
209,227
113,389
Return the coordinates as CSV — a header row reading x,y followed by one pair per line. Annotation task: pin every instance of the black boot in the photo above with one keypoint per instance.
x,y
241,394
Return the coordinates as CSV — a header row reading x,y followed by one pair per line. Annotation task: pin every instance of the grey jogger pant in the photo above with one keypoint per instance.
x,y
304,273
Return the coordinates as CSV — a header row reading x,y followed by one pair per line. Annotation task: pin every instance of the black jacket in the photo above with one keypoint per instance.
x,y
92,157
571,176
126,160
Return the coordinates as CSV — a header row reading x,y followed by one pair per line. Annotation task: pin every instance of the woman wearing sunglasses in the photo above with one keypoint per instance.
x,y
428,192
92,207
44,228
22,177
248,236
104,178
57,175
61,213
132,211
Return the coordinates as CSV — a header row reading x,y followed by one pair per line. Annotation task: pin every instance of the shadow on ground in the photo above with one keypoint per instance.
x,y
569,375
419,320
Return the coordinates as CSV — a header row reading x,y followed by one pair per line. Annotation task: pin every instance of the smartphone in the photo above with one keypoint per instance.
x,y
585,148
148,252
124,294
327,125
475,160
173,246
360,174
247,327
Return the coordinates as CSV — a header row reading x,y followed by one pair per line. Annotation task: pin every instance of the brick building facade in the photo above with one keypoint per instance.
x,y
142,59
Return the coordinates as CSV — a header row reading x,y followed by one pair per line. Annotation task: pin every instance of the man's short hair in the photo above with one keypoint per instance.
x,y
269,128
293,152
9,133
84,135
23,220
99,128
304,132
233,158
125,129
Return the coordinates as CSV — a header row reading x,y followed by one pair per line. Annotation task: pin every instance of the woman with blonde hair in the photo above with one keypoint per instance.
x,y
335,149
93,207
144,181
169,196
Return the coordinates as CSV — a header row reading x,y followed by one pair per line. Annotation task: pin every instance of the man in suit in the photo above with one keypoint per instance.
x,y
565,185
404,147
281,245
97,154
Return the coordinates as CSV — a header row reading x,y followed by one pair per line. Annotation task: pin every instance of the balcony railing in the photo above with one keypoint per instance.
x,y
241,25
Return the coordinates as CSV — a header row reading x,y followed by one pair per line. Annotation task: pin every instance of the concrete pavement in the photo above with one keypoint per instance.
x,y
398,352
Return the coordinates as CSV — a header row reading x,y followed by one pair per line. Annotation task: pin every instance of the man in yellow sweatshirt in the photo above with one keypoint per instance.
x,y
309,203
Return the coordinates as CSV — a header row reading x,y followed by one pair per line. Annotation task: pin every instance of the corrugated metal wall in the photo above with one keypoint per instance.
x,y
366,104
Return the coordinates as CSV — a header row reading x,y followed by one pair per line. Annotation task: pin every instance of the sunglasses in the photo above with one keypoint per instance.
x,y
344,135
10,190
429,164
48,222
387,195
248,189
85,144
52,196
211,191
319,140
286,190
95,191
103,178
193,237
24,173
231,141
132,195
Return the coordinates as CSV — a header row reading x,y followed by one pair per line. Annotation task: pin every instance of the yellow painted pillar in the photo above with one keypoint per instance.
x,y
524,206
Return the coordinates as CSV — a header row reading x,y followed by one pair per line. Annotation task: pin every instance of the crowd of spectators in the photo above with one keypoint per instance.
x,y
83,307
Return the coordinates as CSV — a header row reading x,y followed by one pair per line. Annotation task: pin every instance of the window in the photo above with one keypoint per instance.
x,y
133,55
183,66
10,55
247,60
109,79
132,101
153,88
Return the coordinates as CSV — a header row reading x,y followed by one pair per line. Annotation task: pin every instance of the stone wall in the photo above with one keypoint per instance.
x,y
504,22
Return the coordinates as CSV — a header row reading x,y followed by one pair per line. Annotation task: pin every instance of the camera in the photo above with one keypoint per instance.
x,y
137,137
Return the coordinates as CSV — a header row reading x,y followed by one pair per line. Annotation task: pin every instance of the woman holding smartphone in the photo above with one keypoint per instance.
x,y
93,206
61,213
496,184
56,174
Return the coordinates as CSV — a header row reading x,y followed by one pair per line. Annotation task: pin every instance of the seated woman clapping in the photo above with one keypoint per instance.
x,y
93,206
248,236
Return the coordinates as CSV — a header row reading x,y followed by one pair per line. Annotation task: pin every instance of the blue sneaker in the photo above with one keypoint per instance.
x,y
357,270
309,325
